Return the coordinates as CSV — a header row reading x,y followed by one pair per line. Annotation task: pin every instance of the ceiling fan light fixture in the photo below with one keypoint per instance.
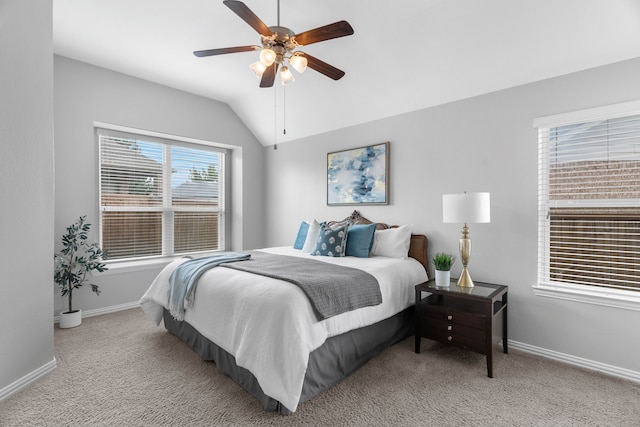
x,y
285,76
278,44
258,68
298,62
267,56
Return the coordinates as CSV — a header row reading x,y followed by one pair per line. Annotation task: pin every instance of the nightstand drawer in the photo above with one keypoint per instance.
x,y
445,314
444,329
470,338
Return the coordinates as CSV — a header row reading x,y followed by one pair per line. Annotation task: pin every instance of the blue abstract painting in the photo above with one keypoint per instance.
x,y
358,176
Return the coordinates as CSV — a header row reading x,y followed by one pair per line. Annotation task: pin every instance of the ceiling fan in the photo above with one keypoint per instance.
x,y
279,44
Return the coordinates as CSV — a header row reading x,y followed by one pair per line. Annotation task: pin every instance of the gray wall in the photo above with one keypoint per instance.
x,y
26,190
85,94
486,143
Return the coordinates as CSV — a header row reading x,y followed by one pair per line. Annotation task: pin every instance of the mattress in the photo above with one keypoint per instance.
x,y
268,326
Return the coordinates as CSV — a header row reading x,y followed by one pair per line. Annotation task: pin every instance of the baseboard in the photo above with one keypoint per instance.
x,y
27,379
104,310
50,366
615,371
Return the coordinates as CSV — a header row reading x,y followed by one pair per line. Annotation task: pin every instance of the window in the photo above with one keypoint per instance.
x,y
159,197
589,205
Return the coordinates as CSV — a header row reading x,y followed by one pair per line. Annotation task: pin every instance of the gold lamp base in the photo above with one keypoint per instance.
x,y
464,281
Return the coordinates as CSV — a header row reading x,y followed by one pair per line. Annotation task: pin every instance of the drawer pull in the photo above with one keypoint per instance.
x,y
449,328
449,317
449,337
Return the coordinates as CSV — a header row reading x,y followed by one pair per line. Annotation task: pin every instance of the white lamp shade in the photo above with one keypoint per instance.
x,y
466,208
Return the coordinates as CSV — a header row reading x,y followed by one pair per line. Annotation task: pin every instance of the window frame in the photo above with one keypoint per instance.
x,y
610,297
142,263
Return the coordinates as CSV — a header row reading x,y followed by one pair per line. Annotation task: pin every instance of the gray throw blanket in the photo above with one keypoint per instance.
x,y
331,289
183,280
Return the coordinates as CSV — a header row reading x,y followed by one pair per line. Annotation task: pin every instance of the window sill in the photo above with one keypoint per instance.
x,y
617,298
119,267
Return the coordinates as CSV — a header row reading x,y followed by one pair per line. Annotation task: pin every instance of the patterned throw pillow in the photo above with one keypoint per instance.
x,y
331,242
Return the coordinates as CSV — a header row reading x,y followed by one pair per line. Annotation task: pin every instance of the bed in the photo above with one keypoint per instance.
x,y
266,333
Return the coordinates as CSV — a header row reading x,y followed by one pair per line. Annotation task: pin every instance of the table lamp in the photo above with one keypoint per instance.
x,y
466,208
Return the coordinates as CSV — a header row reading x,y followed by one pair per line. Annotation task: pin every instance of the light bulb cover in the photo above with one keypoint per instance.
x,y
267,56
298,62
258,68
285,76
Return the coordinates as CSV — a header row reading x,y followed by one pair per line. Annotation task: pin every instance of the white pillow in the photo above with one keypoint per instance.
x,y
312,237
392,242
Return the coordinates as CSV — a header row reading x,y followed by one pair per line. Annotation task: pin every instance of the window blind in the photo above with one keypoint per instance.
x,y
589,203
159,197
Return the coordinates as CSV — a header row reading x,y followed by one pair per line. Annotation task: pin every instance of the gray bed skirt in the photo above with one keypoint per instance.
x,y
338,357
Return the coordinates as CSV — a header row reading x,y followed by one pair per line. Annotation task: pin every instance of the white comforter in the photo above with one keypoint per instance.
x,y
268,325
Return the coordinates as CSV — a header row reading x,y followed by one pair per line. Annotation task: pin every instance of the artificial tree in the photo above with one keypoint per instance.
x,y
77,260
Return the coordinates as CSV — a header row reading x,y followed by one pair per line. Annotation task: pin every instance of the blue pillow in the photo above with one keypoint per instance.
x,y
360,240
302,235
331,242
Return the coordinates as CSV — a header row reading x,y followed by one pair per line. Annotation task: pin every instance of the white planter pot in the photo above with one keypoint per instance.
x,y
443,278
70,319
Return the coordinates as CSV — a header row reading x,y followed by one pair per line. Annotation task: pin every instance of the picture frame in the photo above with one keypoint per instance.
x,y
358,176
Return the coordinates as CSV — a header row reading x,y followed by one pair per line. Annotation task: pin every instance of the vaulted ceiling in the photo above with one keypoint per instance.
x,y
404,55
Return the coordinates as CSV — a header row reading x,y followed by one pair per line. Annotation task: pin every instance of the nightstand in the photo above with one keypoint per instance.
x,y
472,318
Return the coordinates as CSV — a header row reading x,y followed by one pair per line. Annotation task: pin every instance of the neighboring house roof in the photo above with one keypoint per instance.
x,y
196,190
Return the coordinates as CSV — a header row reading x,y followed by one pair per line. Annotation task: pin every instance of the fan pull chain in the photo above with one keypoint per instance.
x,y
284,110
275,119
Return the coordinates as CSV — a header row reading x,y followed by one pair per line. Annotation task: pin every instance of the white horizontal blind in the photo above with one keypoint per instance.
x,y
159,197
589,203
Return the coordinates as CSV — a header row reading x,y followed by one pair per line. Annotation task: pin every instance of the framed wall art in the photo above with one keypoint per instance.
x,y
358,176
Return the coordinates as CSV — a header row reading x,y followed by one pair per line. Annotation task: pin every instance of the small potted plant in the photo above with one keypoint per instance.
x,y
74,265
443,263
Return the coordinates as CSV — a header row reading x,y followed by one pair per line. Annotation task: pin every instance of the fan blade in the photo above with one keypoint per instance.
x,y
328,32
224,50
269,75
322,67
248,16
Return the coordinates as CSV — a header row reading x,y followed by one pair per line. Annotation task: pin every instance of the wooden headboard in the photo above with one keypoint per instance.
x,y
417,247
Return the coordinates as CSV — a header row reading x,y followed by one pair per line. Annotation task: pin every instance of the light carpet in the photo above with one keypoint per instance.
x,y
120,370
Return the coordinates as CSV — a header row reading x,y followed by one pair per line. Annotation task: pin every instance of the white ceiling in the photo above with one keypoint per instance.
x,y
404,55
